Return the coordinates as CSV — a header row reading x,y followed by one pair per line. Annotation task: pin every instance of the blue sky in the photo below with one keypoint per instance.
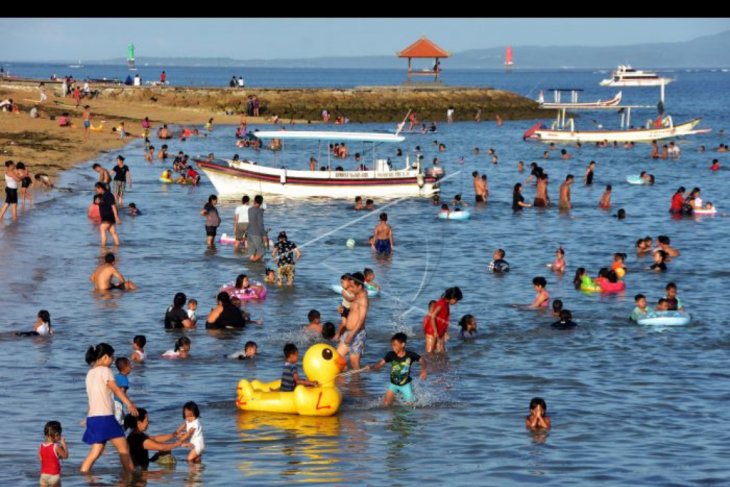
x,y
94,39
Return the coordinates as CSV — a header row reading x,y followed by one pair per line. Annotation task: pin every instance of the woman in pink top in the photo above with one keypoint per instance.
x,y
543,298
101,425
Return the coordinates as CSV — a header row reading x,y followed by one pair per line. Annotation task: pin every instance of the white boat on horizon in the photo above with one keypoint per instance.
x,y
232,178
625,75
76,66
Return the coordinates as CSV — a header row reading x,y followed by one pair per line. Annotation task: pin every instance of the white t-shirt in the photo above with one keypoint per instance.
x,y
44,329
101,399
197,439
242,212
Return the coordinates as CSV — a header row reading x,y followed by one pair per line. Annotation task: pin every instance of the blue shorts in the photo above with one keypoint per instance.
x,y
87,124
405,391
382,246
357,345
100,429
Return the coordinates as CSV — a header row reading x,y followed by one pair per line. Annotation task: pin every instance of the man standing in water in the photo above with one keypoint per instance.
x,y
564,203
351,334
256,229
383,236
102,276
108,213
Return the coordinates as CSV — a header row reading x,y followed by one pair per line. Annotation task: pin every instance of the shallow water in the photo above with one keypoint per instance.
x,y
630,405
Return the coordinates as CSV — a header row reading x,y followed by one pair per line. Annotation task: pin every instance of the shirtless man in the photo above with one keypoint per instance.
x,y
86,116
564,203
104,176
383,236
351,335
541,194
103,275
479,188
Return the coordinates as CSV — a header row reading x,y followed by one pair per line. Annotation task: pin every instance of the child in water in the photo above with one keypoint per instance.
x,y
400,372
468,325
605,202
192,308
559,264
41,327
250,349
542,299
565,322
659,264
191,415
289,376
673,302
138,344
641,309
124,366
315,325
618,264
538,418
181,350
370,283
133,210
52,448
557,307
270,276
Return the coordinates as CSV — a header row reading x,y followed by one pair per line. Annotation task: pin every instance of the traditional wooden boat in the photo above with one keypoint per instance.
x,y
574,104
235,177
568,134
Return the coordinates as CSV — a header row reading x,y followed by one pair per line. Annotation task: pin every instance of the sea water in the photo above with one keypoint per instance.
x,y
630,405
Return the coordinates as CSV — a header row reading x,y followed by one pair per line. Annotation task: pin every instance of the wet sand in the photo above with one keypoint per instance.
x,y
47,148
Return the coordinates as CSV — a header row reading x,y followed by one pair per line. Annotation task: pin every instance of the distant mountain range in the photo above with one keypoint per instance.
x,y
702,52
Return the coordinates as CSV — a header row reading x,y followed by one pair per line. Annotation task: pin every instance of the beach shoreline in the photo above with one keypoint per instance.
x,y
45,147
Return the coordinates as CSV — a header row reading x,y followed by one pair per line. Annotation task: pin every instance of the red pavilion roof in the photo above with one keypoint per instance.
x,y
423,48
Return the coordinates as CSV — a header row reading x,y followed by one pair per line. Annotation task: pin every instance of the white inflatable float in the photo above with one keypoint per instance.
x,y
665,318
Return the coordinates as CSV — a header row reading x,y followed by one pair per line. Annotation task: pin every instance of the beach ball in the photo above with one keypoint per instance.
x,y
350,243
620,272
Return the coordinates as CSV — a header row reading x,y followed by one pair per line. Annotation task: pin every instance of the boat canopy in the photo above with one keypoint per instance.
x,y
329,136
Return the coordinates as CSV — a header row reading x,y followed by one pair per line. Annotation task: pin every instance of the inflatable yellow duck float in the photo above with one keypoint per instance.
x,y
321,363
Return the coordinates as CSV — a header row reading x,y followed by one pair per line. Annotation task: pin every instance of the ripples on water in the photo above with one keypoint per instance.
x,y
630,405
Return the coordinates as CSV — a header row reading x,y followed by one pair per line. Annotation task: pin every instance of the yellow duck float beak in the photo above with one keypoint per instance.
x,y
321,363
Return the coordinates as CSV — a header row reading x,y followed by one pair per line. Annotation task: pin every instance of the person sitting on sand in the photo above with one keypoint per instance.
x,y
103,275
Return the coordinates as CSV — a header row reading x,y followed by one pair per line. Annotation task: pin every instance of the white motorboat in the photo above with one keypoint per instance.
x,y
625,75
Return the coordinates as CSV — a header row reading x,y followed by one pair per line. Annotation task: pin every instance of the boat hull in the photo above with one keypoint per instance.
x,y
636,82
640,135
235,178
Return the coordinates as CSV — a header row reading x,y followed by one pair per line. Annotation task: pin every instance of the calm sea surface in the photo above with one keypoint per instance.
x,y
630,405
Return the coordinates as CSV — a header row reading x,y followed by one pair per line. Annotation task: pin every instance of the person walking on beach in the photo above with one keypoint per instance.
x,y
122,176
42,91
108,213
256,230
11,190
86,116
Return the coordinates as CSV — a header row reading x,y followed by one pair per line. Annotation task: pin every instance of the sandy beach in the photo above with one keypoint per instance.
x,y
47,148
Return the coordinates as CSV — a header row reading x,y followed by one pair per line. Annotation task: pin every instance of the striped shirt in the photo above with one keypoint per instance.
x,y
287,377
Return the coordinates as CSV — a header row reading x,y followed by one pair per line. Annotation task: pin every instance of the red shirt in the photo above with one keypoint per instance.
x,y
677,202
442,319
49,460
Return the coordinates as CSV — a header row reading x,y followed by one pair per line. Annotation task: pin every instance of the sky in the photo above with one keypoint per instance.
x,y
27,39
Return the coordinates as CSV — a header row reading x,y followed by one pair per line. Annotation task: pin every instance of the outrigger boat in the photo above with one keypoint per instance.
x,y
235,177
574,104
563,130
